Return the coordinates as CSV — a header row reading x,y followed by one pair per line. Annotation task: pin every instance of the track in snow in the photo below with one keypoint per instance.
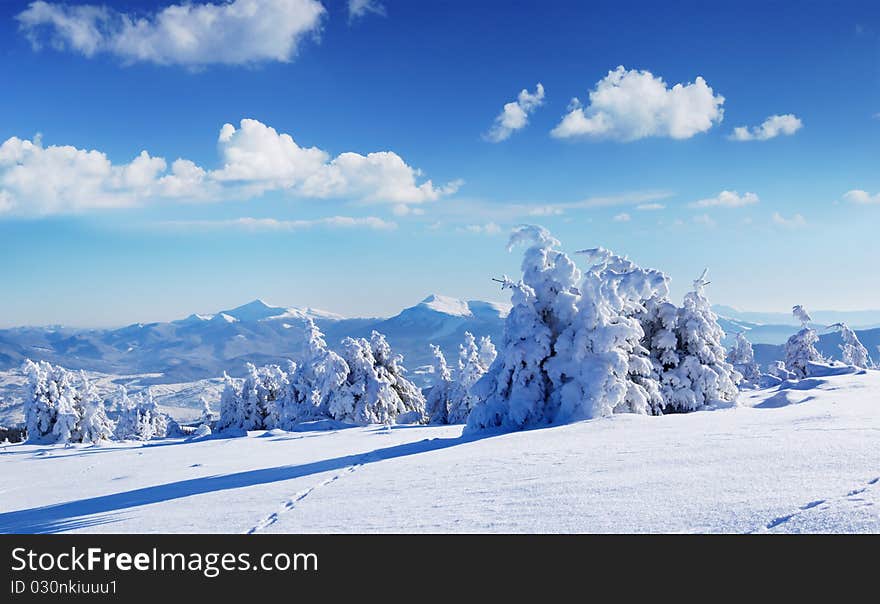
x,y
296,499
781,520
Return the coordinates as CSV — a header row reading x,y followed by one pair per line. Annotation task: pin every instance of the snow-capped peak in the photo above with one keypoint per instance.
x,y
446,305
255,311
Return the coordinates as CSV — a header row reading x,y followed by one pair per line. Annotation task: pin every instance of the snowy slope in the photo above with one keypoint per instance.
x,y
802,458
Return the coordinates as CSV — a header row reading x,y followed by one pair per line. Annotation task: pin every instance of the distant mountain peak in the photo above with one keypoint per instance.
x,y
256,310
446,305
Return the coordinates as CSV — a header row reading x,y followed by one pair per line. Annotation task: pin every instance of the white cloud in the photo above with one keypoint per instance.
x,y
861,197
796,221
254,158
515,115
622,217
628,105
191,34
257,155
773,126
272,224
490,228
705,220
650,206
45,180
361,8
727,199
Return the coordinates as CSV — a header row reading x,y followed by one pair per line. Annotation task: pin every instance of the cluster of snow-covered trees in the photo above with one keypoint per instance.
x,y
63,406
450,398
364,384
608,340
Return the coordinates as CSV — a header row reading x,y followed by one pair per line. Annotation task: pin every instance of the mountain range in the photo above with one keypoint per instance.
x,y
206,345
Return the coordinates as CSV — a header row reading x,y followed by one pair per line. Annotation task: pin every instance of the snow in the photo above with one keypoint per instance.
x,y
808,463
446,305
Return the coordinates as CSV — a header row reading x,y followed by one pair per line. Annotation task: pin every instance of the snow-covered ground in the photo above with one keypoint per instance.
x,y
801,458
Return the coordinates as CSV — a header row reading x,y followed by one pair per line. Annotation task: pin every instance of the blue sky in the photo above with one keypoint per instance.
x,y
251,214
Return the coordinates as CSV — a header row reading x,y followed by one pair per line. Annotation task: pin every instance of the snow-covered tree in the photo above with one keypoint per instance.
x,y
854,353
126,416
63,407
314,381
437,400
777,369
800,349
516,391
139,417
601,366
49,409
232,411
375,390
257,402
473,362
742,357
94,425
207,416
703,375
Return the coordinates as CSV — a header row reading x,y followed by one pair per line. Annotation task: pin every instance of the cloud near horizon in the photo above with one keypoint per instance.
x,y
255,158
272,224
727,199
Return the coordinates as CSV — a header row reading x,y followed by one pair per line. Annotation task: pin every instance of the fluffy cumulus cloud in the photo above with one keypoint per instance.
x,y
727,199
35,179
362,8
855,196
257,155
191,34
628,105
773,126
515,115
255,158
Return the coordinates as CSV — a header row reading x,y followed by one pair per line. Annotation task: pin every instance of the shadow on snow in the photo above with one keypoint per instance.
x,y
106,509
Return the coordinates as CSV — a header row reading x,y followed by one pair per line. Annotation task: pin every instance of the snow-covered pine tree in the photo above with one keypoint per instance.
x,y
94,425
40,402
854,353
126,416
601,366
473,362
703,375
315,380
139,417
437,400
263,395
231,407
51,406
159,421
515,391
742,357
488,352
207,417
660,324
800,349
375,391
